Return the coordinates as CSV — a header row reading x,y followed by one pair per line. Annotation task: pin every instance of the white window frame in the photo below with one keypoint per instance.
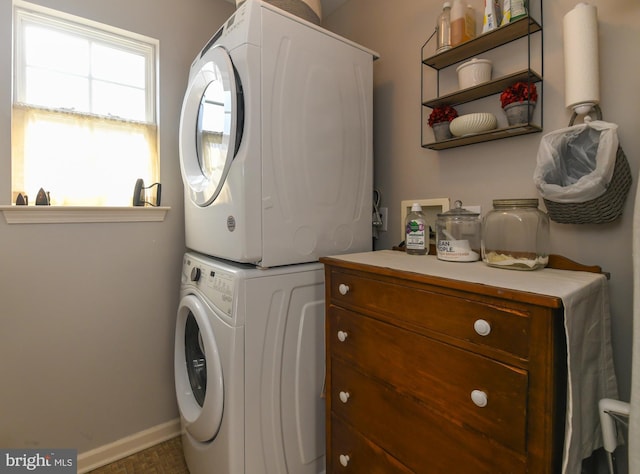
x,y
148,47
91,30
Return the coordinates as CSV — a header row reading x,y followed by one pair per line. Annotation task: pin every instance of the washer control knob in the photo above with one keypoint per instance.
x,y
342,336
195,274
343,289
344,460
344,397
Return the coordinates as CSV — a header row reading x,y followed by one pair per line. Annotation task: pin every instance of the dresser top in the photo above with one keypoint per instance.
x,y
561,284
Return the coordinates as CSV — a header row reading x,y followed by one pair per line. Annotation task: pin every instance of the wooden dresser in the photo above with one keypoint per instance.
x,y
431,374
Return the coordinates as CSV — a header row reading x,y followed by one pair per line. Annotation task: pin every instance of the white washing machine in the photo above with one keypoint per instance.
x,y
276,141
249,367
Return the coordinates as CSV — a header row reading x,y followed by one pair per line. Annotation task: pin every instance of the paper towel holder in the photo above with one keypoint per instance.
x,y
584,108
595,108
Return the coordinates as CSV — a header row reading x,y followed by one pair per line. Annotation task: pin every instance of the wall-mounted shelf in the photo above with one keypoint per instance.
x,y
483,90
522,28
495,134
485,42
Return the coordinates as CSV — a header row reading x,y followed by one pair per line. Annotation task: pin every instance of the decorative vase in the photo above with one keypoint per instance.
x,y
441,131
519,113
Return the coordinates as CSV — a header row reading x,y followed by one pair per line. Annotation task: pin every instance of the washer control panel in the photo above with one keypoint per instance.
x,y
217,285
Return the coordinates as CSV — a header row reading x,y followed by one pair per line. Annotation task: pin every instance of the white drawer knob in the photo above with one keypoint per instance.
x,y
482,327
479,398
342,336
343,289
344,397
344,460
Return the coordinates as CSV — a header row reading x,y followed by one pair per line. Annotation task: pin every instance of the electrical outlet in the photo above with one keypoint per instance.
x,y
384,217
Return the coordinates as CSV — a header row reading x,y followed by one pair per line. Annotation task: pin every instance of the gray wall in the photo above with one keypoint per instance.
x,y
478,174
87,311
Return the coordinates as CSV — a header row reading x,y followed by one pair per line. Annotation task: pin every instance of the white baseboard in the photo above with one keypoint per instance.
x,y
124,447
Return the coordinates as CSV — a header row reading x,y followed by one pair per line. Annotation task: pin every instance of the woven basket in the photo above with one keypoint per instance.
x,y
605,208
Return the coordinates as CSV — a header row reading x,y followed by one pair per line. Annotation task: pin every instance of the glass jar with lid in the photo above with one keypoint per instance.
x,y
515,235
458,235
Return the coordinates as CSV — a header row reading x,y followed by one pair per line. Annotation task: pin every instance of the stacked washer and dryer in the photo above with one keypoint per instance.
x,y
276,160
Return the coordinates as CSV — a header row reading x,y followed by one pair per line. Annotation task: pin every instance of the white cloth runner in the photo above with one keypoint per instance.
x,y
585,297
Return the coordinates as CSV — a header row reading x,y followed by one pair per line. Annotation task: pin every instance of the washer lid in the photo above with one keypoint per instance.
x,y
210,125
198,371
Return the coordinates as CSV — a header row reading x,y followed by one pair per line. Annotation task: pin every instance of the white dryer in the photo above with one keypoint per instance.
x,y
249,367
276,141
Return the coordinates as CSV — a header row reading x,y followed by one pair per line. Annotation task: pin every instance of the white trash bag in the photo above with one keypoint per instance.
x,y
575,164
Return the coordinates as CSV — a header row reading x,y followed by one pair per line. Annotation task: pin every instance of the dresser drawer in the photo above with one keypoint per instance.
x,y
422,438
353,453
450,315
443,377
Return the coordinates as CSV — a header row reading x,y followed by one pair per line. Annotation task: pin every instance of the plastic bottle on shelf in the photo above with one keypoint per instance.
x,y
463,23
498,9
489,20
443,29
518,9
470,22
506,12
457,22
417,234
513,10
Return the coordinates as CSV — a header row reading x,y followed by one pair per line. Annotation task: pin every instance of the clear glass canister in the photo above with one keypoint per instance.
x,y
458,235
515,235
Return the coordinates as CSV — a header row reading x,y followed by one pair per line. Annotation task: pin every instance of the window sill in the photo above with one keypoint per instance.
x,y
81,214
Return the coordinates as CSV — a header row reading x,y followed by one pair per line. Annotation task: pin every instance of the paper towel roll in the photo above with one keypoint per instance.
x,y
581,66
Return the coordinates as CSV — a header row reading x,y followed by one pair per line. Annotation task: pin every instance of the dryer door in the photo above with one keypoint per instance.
x,y
210,125
198,371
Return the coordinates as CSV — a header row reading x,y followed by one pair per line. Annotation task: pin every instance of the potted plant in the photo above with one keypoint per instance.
x,y
439,120
518,102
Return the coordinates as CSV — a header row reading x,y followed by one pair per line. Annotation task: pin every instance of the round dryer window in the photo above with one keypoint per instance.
x,y
198,371
210,125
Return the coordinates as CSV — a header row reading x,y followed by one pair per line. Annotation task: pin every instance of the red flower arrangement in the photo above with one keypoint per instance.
x,y
519,92
445,113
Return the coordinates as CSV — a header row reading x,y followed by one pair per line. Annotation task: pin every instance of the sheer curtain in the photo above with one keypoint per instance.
x,y
80,159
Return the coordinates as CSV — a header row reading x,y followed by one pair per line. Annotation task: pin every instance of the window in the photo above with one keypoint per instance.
x,y
84,124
